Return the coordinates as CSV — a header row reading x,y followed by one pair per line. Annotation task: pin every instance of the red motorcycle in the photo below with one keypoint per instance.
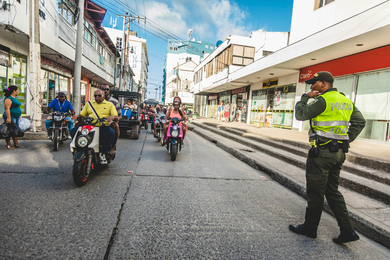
x,y
144,118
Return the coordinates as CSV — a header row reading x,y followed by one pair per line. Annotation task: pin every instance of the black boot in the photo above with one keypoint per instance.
x,y
346,236
300,229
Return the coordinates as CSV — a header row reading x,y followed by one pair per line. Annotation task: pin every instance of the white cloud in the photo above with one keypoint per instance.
x,y
211,20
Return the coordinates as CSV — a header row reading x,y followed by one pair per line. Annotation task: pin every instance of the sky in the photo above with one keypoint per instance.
x,y
210,20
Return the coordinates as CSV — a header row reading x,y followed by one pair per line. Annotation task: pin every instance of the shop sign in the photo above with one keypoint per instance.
x,y
5,59
213,96
239,90
55,67
270,83
224,93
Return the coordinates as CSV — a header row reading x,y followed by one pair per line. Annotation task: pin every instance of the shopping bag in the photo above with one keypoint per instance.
x,y
4,132
24,124
15,130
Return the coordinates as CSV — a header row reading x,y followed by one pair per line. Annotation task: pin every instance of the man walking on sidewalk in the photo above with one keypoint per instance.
x,y
334,123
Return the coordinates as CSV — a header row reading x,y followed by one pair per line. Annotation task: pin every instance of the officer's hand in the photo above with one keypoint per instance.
x,y
313,93
110,118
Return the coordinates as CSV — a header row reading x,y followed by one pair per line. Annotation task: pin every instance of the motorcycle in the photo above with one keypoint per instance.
x,y
144,118
59,129
86,147
174,137
159,133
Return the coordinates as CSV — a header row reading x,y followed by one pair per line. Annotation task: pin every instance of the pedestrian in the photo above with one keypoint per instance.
x,y
12,113
334,123
219,111
226,109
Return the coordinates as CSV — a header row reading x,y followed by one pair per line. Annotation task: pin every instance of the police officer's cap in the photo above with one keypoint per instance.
x,y
321,76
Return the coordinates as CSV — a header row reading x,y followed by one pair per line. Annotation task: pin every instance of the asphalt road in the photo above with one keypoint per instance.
x,y
207,204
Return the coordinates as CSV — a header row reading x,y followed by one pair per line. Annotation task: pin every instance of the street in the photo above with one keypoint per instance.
x,y
206,204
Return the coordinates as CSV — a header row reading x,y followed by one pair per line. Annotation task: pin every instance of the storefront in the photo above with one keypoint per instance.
x,y
212,105
54,78
365,83
239,105
273,105
13,71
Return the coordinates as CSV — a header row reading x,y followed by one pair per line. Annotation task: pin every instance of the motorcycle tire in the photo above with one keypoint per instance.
x,y
56,137
145,124
79,171
135,132
162,137
174,152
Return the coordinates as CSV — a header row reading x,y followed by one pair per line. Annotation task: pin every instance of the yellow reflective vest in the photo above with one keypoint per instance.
x,y
333,123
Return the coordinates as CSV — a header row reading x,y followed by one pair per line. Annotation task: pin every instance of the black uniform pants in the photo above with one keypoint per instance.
x,y
322,179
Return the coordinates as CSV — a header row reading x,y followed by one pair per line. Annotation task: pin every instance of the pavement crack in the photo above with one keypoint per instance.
x,y
118,218
202,178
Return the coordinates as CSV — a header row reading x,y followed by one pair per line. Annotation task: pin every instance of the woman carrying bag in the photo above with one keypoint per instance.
x,y
12,113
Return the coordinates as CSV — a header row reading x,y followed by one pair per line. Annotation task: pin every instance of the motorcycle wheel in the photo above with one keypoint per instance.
x,y
145,124
135,132
79,172
173,152
161,137
56,135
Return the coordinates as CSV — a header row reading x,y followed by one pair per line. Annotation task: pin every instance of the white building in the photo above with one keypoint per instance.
x,y
212,75
179,80
136,59
179,53
348,38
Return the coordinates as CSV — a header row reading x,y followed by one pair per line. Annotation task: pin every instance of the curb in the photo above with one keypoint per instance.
x,y
364,226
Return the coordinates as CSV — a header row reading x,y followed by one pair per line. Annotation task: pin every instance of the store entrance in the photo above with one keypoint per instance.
x,y
239,107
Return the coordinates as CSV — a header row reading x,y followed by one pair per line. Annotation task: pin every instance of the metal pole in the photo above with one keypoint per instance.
x,y
122,71
77,66
35,65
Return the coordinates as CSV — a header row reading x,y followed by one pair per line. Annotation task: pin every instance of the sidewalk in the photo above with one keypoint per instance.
x,y
365,148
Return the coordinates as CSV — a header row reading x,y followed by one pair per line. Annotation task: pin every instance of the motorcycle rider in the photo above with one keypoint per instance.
x,y
62,105
175,111
103,109
157,111
114,125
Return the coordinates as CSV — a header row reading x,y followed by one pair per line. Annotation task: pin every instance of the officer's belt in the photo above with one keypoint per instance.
x,y
329,135
326,146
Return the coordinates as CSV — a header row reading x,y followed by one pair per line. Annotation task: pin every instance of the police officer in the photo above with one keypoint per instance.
x,y
334,123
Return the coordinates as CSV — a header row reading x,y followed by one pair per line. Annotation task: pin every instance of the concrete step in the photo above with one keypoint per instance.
x,y
302,150
369,216
376,186
357,159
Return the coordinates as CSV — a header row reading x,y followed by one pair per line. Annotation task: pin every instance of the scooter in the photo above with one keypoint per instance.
x,y
86,147
159,133
174,137
59,129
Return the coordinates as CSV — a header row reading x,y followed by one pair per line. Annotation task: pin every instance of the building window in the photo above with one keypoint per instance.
x,y
119,43
211,47
321,3
175,49
206,46
243,55
188,59
170,48
64,9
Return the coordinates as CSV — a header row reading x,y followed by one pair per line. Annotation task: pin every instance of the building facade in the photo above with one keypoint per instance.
x,y
348,39
58,42
179,53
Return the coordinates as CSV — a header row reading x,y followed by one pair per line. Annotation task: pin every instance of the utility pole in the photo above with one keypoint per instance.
x,y
178,79
125,47
35,66
122,71
77,65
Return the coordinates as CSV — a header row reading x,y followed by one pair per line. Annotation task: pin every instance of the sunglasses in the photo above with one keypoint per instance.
x,y
105,89
98,95
175,105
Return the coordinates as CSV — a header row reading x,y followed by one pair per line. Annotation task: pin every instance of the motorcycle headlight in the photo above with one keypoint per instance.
x,y
175,127
175,133
133,117
82,141
49,118
85,131
57,118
